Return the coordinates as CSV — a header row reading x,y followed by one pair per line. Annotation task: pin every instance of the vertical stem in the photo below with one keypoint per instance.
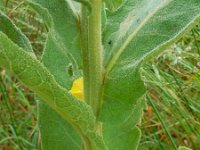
x,y
95,55
92,57
84,46
92,53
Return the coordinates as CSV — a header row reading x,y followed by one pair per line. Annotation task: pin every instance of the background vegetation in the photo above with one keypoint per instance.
x,y
172,116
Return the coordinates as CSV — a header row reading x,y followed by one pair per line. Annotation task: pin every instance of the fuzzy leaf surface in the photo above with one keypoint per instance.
x,y
37,78
58,48
62,57
114,5
8,28
146,28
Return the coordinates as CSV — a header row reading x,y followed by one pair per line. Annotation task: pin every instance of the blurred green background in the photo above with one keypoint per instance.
x,y
172,116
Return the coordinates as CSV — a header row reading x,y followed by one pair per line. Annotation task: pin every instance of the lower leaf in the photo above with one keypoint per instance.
x,y
56,133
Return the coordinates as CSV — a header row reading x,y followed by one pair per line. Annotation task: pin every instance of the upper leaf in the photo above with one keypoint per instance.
x,y
159,20
63,44
147,26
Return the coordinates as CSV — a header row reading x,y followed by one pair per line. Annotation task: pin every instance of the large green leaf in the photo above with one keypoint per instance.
x,y
49,119
56,134
62,38
36,76
62,58
147,26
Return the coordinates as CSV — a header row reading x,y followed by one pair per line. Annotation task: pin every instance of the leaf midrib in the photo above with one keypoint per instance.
x,y
114,59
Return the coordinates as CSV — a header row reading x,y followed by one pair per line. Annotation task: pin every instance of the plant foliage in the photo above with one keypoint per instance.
x,y
106,44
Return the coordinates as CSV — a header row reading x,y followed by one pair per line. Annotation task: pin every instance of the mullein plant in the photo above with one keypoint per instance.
x,y
88,81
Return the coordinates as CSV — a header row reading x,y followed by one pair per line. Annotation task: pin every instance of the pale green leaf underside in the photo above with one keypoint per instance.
x,y
147,27
167,19
154,22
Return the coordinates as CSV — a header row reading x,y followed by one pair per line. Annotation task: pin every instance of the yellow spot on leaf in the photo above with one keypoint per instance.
x,y
77,88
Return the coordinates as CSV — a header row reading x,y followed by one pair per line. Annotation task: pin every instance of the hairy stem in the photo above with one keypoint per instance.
x,y
95,55
92,53
92,57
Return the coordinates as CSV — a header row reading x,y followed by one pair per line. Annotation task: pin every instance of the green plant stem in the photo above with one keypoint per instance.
x,y
92,57
92,52
95,55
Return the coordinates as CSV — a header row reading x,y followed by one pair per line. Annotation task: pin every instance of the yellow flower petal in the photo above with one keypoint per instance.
x,y
77,88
